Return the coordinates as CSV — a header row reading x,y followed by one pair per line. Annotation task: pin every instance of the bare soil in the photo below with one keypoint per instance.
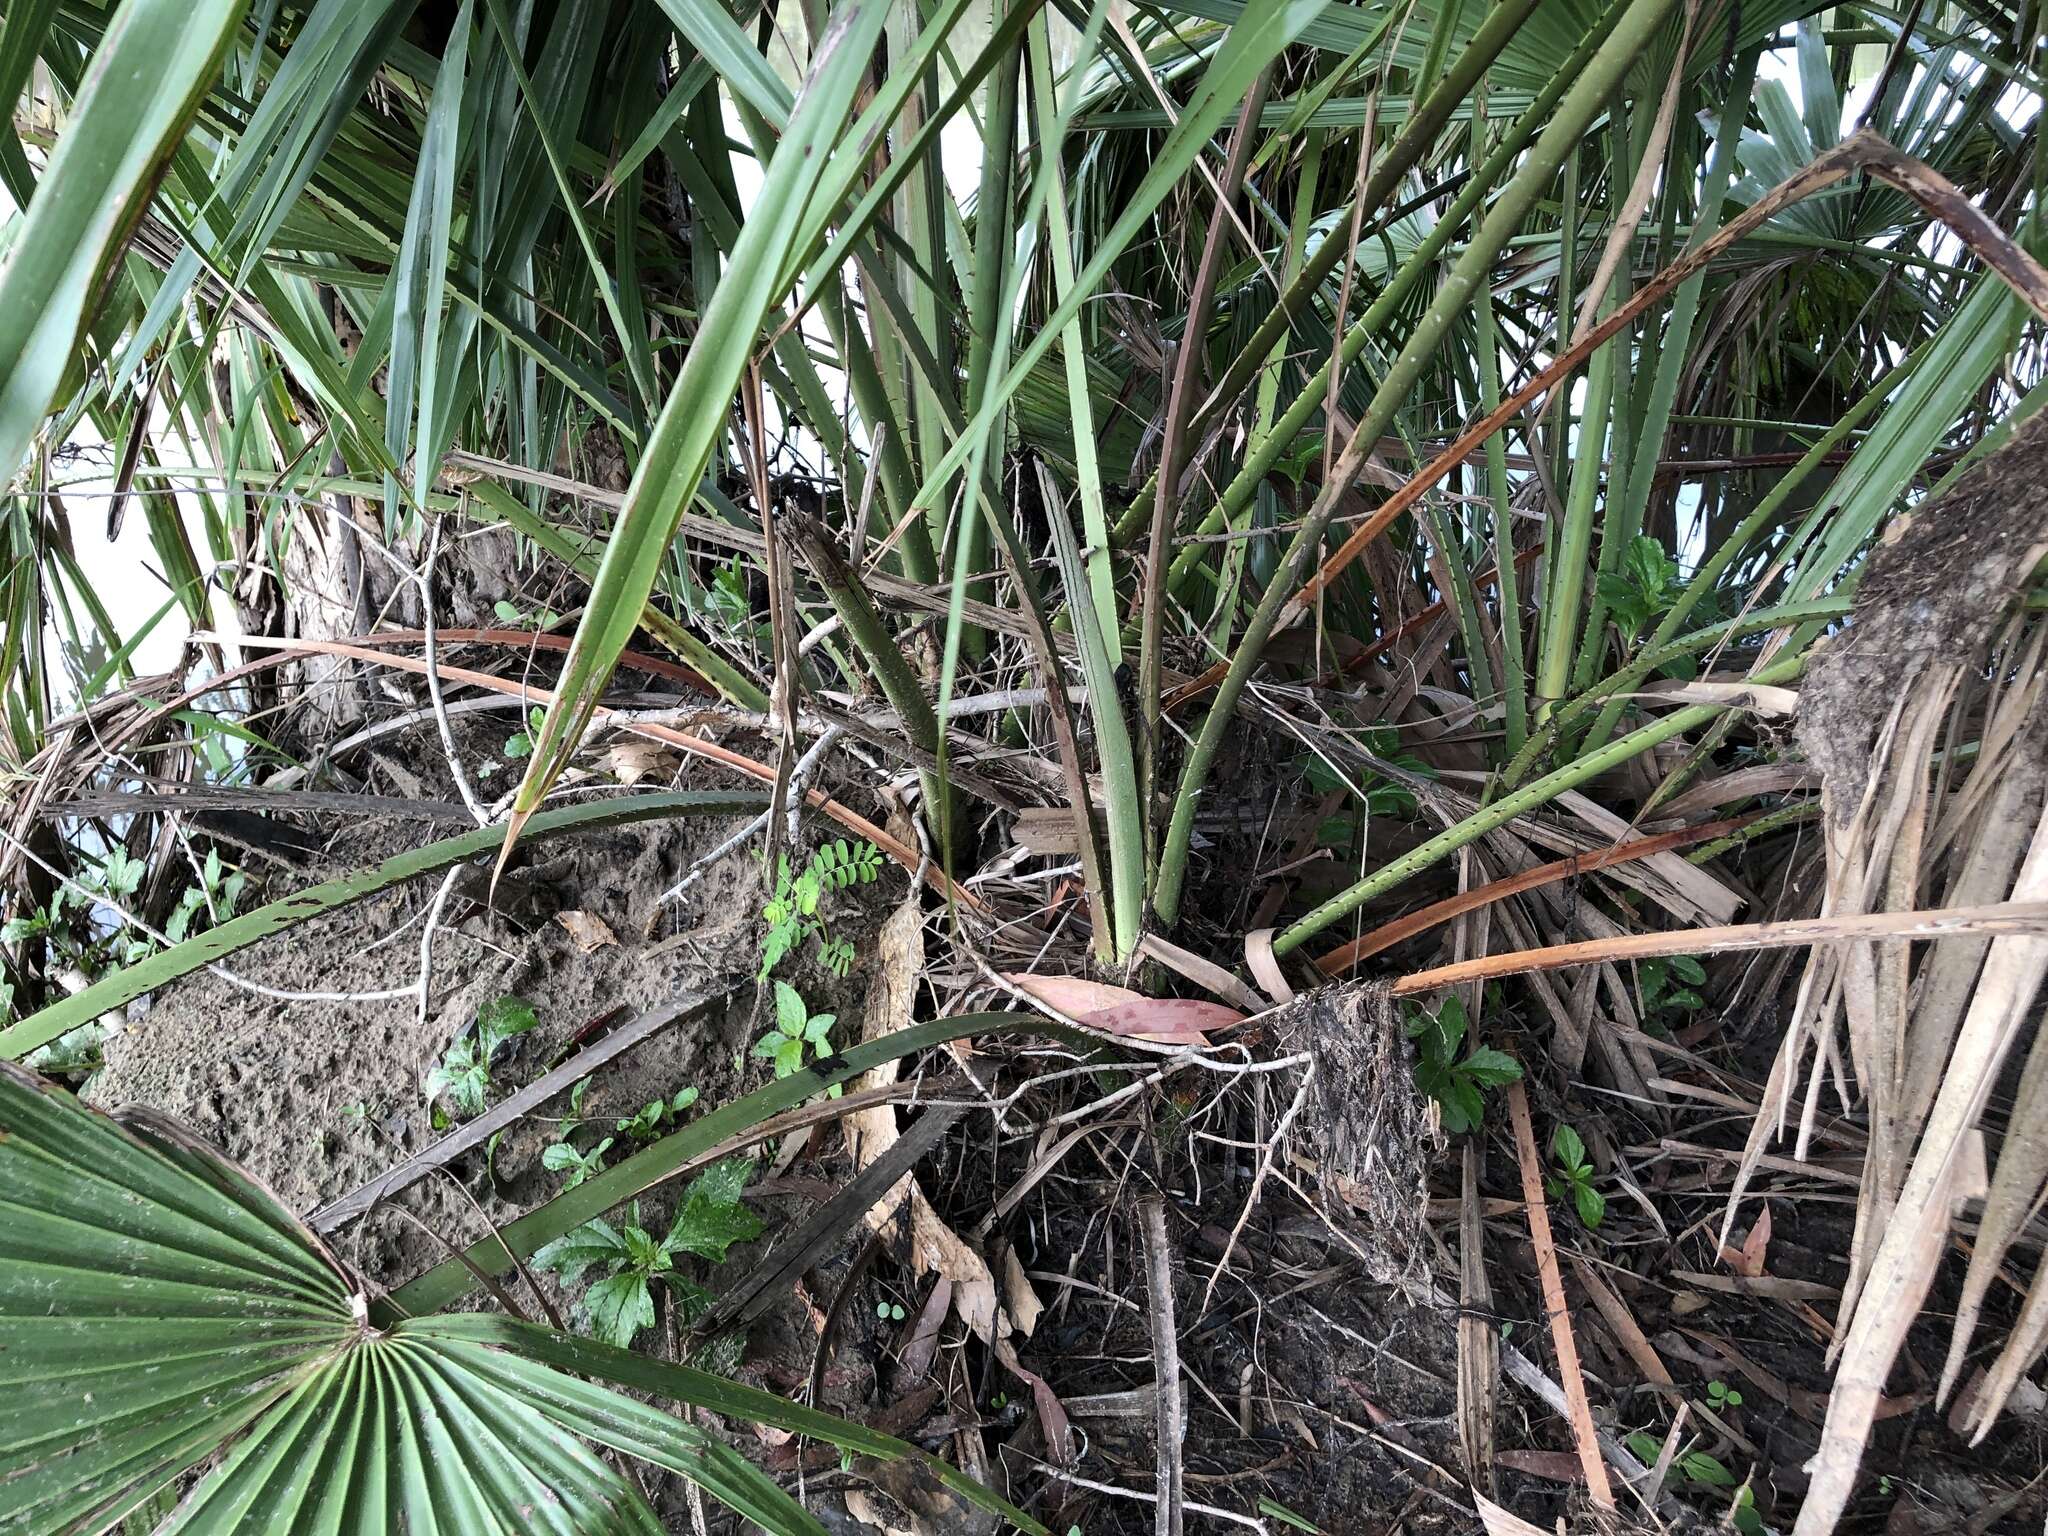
x,y
317,1095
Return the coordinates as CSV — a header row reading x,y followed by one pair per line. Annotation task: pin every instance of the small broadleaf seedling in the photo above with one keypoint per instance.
x,y
628,1260
520,743
213,901
791,911
1669,990
561,1157
464,1075
796,1027
646,1123
1647,585
1458,1087
1697,1467
1575,1177
544,618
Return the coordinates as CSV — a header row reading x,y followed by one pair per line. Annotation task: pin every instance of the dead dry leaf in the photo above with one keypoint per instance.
x,y
1758,698
1551,1466
876,1516
1073,995
904,1218
1164,1020
1206,974
927,1244
587,930
1120,1011
1258,954
923,1343
1749,1259
1478,1339
1503,1522
631,760
1021,1299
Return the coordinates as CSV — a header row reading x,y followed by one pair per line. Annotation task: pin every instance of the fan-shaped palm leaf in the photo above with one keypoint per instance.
x,y
159,1308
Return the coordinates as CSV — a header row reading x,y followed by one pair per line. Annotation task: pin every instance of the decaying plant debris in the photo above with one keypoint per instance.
x,y
876,767
1370,1136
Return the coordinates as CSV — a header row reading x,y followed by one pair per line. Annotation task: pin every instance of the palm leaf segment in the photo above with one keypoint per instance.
x,y
157,1305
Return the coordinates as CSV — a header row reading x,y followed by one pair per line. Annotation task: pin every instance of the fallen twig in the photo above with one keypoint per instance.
x,y
1568,1370
1344,956
455,768
1166,1363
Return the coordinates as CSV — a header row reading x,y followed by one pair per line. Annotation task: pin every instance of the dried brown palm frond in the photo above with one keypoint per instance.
x,y
1928,723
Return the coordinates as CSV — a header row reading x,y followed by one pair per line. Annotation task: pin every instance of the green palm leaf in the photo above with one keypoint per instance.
x,y
694,418
139,94
158,1309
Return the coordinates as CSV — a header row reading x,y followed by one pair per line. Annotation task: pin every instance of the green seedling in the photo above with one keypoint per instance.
x,y
1743,1515
520,743
1669,990
1647,584
647,1122
724,601
1575,1177
796,1027
1721,1395
1697,1467
120,874
574,1118
1383,796
1273,1509
205,905
561,1157
1458,1087
543,618
791,912
464,1076
890,1311
34,923
628,1261
75,1053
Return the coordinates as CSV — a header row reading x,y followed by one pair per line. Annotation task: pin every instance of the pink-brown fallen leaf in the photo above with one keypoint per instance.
x,y
1749,1259
1164,1020
1072,995
1120,1011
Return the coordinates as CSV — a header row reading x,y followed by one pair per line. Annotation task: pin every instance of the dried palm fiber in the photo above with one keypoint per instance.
x,y
1939,653
1374,1138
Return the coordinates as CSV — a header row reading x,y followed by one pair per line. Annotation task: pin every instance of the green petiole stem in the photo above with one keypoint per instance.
x,y
1416,139
1518,803
1582,102
1259,462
